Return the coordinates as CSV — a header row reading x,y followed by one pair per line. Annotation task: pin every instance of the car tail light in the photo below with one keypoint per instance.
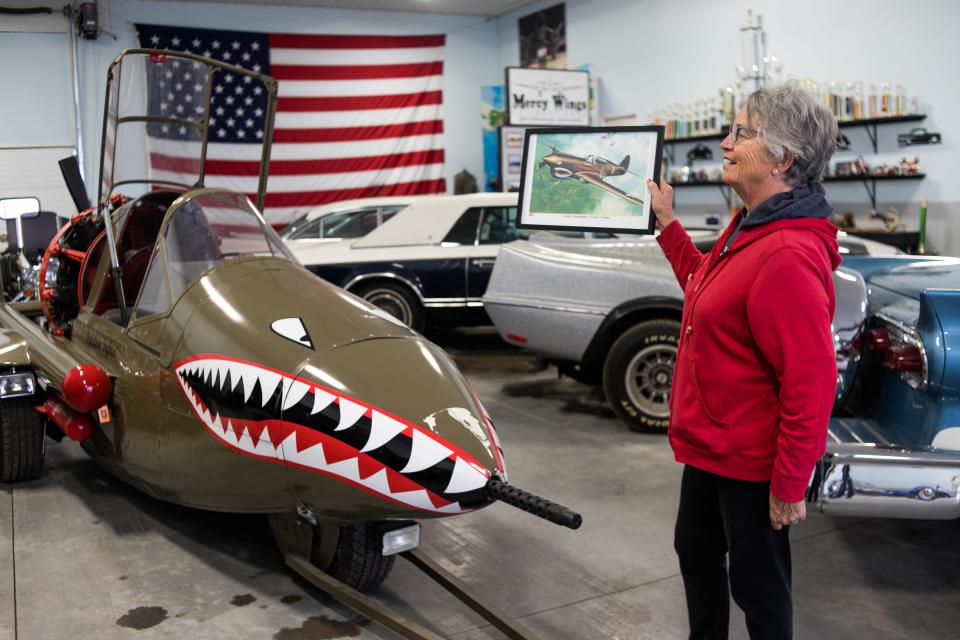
x,y
513,337
904,357
877,339
904,352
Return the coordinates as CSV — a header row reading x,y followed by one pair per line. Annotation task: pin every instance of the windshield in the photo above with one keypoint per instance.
x,y
162,129
202,231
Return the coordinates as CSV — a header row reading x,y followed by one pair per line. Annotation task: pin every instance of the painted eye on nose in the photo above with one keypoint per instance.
x,y
292,329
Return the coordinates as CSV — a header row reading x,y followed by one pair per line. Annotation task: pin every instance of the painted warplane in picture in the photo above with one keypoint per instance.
x,y
591,170
181,344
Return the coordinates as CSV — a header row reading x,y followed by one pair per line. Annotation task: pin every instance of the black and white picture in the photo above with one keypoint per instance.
x,y
543,40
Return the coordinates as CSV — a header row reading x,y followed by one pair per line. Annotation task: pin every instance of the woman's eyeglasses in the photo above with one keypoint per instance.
x,y
738,133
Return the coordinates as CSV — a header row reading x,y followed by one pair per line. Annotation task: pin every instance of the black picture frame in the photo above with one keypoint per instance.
x,y
565,167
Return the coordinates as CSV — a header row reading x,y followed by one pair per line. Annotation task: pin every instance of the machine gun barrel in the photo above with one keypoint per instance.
x,y
496,489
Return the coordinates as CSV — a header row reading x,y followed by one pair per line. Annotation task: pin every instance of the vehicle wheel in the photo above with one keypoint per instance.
x,y
638,373
396,300
21,440
359,561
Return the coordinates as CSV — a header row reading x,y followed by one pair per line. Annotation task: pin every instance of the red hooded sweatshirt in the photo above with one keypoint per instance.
x,y
756,371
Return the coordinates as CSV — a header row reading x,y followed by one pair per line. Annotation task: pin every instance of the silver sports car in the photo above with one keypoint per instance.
x,y
604,312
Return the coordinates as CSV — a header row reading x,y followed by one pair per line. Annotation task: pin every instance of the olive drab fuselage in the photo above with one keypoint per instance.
x,y
349,353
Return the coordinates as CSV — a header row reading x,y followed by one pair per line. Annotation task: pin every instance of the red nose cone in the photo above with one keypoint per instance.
x,y
86,388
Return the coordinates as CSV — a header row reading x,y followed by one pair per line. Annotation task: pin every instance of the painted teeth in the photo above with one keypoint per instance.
x,y
268,384
321,400
314,458
383,429
350,412
249,377
425,450
293,392
465,478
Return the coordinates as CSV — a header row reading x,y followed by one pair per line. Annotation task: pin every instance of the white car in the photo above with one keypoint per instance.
x,y
429,261
343,220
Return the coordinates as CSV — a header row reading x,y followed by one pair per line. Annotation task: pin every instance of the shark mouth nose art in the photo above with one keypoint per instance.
x,y
269,415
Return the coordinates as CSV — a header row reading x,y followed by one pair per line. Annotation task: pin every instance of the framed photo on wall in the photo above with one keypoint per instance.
x,y
511,157
589,178
543,40
547,97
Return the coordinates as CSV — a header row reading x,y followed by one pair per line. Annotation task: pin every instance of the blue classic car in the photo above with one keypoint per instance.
x,y
894,441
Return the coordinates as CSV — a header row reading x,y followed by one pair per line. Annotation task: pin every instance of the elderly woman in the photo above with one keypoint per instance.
x,y
756,372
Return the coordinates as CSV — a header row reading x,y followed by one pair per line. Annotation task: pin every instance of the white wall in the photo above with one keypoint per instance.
x,y
649,54
37,112
470,60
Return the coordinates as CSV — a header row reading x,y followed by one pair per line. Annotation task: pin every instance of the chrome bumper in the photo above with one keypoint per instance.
x,y
870,480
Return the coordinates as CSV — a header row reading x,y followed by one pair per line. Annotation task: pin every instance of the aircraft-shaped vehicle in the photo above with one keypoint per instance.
x,y
183,346
589,170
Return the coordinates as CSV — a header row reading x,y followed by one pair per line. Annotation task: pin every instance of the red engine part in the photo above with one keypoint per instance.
x,y
75,425
72,244
86,388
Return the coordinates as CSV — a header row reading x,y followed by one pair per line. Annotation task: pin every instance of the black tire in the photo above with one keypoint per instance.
x,y
638,373
21,440
397,300
359,561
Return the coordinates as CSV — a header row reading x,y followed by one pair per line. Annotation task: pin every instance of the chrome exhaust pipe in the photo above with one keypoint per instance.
x,y
869,480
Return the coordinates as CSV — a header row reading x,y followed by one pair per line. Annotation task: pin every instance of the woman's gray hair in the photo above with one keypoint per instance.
x,y
793,121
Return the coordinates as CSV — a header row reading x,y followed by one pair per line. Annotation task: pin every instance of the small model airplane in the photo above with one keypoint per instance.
x,y
181,344
589,170
548,86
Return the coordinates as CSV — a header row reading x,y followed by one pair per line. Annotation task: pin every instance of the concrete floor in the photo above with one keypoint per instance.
x,y
84,556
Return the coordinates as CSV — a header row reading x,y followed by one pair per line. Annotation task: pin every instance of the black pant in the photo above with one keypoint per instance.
x,y
718,516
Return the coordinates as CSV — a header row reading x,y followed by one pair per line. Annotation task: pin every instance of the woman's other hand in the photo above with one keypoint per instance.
x,y
661,201
783,513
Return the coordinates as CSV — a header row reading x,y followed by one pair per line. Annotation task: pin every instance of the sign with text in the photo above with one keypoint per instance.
x,y
548,97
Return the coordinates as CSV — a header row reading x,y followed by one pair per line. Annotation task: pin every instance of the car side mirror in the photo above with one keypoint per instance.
x,y
13,208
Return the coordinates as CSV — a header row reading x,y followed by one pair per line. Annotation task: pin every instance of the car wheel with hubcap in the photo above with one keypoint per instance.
x,y
396,300
638,373
21,440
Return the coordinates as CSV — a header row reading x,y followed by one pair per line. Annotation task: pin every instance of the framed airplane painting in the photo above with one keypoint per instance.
x,y
589,178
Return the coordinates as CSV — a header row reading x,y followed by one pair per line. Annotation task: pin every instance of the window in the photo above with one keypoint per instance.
x,y
388,212
464,231
349,224
301,230
200,233
499,226
155,295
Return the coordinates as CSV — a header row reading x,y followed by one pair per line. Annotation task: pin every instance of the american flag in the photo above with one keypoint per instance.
x,y
357,115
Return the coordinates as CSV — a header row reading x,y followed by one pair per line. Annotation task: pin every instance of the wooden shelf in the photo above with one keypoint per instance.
x,y
843,124
719,183
702,138
869,183
912,117
913,176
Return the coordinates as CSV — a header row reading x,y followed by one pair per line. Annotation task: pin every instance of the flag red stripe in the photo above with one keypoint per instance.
x,y
191,166
353,134
313,198
307,41
356,103
355,72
